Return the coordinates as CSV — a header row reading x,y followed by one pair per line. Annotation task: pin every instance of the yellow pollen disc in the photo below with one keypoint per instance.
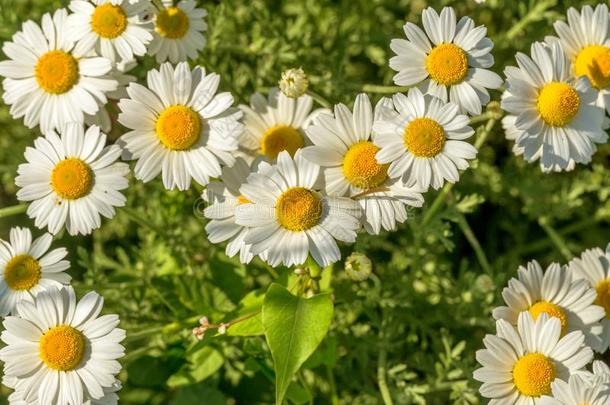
x,y
551,310
108,21
533,374
424,137
447,64
558,103
594,62
361,168
172,23
243,200
62,348
72,179
178,127
22,273
281,138
298,209
56,72
603,295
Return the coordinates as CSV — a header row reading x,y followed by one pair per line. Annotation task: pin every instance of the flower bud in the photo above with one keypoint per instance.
x,y
294,83
358,267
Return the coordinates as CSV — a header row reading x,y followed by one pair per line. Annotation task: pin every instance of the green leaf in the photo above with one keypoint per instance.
x,y
201,365
294,327
253,326
194,394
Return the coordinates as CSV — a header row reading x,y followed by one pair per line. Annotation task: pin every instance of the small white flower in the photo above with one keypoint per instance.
x,y
27,268
556,115
343,145
179,126
556,294
290,218
578,390
449,60
294,83
358,266
49,81
72,179
520,365
60,350
111,28
424,143
178,34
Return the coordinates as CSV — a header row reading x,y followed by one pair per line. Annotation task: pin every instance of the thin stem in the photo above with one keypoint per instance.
x,y
485,133
320,99
13,210
534,14
381,377
474,242
334,398
303,382
137,218
556,238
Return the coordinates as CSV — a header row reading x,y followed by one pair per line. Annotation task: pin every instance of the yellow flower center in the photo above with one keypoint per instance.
x,y
603,295
56,72
72,179
424,137
551,310
558,103
281,138
62,348
447,64
108,21
178,127
172,23
533,374
243,200
22,273
361,168
594,62
298,209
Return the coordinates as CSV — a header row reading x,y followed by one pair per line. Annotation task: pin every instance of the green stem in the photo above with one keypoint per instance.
x,y
555,238
485,133
320,99
13,210
334,398
381,376
474,243
303,382
374,88
137,218
535,14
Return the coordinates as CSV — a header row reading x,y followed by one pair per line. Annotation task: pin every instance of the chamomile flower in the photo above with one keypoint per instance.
x,y
449,60
275,124
555,293
17,397
102,117
178,31
559,122
290,218
224,198
424,142
601,371
71,179
578,390
113,29
593,266
179,126
49,81
344,147
27,268
520,365
586,41
60,350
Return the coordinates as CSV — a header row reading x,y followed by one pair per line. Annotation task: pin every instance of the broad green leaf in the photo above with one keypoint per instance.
x,y
199,394
294,327
250,304
201,365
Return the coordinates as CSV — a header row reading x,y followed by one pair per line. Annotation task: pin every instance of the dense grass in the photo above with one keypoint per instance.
x,y
418,321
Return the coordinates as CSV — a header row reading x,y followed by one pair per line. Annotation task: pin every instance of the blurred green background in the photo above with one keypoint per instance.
x,y
415,325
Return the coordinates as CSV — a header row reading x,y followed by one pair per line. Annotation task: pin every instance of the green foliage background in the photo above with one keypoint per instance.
x,y
415,325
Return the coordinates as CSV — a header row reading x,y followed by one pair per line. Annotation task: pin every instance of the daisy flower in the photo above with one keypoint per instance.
x,y
578,390
102,117
224,198
290,218
449,60
586,41
601,371
343,146
275,124
50,82
112,28
556,294
424,142
71,179
178,32
593,266
27,268
60,350
559,122
520,365
179,126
